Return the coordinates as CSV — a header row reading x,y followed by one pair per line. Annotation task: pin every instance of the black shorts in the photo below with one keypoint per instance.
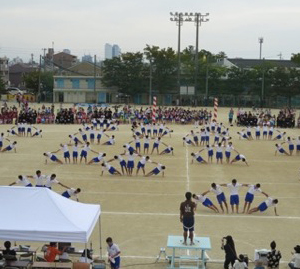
x,y
188,224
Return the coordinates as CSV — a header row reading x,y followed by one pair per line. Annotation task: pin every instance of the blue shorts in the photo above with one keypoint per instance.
x,y
262,207
53,158
210,153
237,157
116,264
123,163
203,138
291,147
196,138
95,124
281,150
219,155
155,171
221,198
227,154
23,129
249,197
66,194
148,131
29,130
143,130
75,154
96,160
13,132
29,185
138,145
218,130
1,143
298,147
199,159
112,170
84,137
101,124
19,129
188,224
131,149
213,128
130,164
207,202
36,133
245,136
234,200
278,136
270,133
160,131
257,133
140,165
207,138
83,153
249,134
165,133
154,131
113,128
265,132
216,139
99,136
146,146
76,139
167,151
137,133
92,136
67,154
155,145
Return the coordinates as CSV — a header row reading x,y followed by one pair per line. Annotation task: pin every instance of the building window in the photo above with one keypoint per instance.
x,y
75,84
60,83
91,83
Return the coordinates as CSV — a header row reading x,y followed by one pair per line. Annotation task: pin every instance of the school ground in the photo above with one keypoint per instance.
x,y
139,213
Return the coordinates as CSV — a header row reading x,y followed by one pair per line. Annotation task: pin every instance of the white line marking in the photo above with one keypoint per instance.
x,y
187,169
202,215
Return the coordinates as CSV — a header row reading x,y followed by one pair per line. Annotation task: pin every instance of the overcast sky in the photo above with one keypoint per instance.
x,y
85,26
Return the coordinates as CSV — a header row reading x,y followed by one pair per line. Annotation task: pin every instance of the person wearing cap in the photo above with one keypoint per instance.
x,y
295,262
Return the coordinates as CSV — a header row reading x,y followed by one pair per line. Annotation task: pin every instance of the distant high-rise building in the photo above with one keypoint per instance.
x,y
87,58
108,51
116,51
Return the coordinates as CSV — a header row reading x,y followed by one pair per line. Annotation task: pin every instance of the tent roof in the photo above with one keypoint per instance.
x,y
39,214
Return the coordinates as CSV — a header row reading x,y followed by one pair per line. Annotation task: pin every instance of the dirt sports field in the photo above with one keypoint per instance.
x,y
139,213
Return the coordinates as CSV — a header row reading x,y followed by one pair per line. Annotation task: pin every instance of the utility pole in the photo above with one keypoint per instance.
x,y
178,18
206,79
39,86
95,61
31,59
150,84
44,66
260,41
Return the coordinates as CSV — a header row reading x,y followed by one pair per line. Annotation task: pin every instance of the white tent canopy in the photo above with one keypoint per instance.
x,y
39,214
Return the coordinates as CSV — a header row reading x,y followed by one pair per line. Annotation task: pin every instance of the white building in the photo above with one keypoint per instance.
x,y
4,71
108,51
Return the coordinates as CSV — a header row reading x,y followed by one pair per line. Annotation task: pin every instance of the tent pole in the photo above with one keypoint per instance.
x,y
100,237
85,249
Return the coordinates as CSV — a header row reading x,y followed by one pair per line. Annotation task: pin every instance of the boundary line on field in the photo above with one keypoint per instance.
x,y
245,216
187,169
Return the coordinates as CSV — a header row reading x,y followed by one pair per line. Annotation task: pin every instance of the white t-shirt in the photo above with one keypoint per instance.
x,y
296,260
131,157
75,148
234,189
86,148
113,250
229,148
39,180
239,265
106,167
159,167
217,190
50,182
219,149
200,198
253,190
242,156
143,160
24,181
71,192
65,148
269,202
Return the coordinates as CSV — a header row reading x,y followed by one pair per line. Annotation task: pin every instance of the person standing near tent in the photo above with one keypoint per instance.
x,y
113,253
52,251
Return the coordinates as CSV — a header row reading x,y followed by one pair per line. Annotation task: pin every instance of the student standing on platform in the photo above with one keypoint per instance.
x,y
187,211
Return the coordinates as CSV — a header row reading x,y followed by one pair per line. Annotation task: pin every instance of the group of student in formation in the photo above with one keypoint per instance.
x,y
44,181
234,188
132,149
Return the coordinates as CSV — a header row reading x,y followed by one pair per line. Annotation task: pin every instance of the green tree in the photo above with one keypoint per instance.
x,y
296,58
2,85
164,68
126,72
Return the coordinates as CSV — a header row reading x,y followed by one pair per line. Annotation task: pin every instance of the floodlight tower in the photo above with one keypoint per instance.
x,y
260,41
178,18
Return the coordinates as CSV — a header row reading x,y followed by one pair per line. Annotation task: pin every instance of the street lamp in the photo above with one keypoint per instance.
x,y
178,18
260,41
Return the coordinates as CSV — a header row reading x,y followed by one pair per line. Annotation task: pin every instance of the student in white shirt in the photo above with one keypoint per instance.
x,y
113,253
71,192
142,163
39,179
250,196
234,193
265,205
217,190
51,180
23,181
201,198
64,148
52,157
280,149
11,146
159,168
240,263
239,157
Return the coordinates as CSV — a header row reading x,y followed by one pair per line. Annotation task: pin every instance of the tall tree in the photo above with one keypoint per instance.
x,y
296,58
2,85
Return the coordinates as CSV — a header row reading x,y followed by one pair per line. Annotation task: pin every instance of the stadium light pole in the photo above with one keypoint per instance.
x,y
178,18
260,41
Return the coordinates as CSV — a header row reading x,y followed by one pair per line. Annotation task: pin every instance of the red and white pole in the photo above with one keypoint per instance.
x,y
154,110
216,104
